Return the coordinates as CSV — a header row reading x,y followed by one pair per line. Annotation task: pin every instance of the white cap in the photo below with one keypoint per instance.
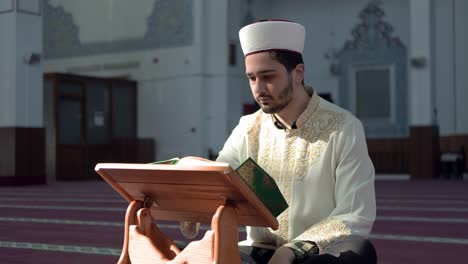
x,y
272,35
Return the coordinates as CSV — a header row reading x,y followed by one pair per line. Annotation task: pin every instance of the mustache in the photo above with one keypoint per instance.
x,y
262,100
264,96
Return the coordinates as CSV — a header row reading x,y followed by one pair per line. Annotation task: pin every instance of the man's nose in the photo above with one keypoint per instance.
x,y
259,87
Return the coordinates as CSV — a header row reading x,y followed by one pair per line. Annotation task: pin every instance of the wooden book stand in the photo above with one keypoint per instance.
x,y
203,191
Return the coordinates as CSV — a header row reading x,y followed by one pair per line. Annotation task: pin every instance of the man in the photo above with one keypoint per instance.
x,y
315,151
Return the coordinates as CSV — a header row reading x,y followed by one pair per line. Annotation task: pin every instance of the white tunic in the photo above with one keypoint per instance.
x,y
322,168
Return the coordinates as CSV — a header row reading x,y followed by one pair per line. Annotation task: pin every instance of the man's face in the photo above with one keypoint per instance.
x,y
271,84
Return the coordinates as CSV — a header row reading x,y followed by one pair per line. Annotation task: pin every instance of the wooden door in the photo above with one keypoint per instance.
x,y
70,131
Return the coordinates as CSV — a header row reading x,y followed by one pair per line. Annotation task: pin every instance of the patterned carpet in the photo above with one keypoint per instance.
x,y
82,222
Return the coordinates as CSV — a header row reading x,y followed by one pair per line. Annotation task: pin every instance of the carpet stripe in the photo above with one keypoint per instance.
x,y
47,207
424,196
445,240
117,209
422,219
80,222
399,201
61,248
25,193
59,221
121,200
80,200
171,226
116,252
428,209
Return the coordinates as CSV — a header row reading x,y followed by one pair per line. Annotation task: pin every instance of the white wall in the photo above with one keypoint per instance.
x,y
7,87
238,90
168,93
171,113
461,66
194,87
444,55
450,42
107,20
321,18
29,84
215,68
7,69
182,99
20,103
20,84
451,65
420,89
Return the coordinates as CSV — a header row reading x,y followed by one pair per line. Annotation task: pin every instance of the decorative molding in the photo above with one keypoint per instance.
x,y
372,32
169,25
27,7
60,32
5,8
373,45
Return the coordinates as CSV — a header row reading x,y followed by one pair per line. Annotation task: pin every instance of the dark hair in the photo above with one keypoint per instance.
x,y
288,59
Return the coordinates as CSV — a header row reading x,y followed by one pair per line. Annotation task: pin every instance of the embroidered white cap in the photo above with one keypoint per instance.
x,y
272,35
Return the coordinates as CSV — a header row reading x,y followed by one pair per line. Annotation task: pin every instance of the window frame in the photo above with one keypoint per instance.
x,y
392,118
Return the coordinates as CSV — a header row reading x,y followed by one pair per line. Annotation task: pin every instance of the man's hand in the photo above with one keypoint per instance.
x,y
189,229
282,255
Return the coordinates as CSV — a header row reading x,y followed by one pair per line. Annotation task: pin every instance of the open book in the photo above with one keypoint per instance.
x,y
259,181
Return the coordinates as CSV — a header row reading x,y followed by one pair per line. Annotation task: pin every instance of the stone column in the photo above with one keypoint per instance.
x,y
424,135
22,135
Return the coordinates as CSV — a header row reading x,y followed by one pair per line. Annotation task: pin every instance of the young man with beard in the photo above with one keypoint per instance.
x,y
315,151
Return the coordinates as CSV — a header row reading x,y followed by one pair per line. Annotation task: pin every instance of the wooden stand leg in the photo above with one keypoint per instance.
x,y
139,227
219,245
163,243
130,219
224,224
145,243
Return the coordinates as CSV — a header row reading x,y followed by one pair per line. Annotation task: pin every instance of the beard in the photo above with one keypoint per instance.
x,y
278,104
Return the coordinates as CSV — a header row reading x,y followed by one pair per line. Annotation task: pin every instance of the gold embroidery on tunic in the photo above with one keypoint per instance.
x,y
253,135
326,232
287,154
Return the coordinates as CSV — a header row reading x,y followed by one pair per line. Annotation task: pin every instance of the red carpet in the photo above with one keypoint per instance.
x,y
82,222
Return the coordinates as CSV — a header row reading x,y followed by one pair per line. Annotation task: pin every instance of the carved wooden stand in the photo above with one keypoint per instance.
x,y
145,243
201,192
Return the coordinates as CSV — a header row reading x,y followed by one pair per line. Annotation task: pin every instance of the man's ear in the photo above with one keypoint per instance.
x,y
299,73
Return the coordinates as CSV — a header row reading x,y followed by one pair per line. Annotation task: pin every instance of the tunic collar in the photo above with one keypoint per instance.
x,y
306,115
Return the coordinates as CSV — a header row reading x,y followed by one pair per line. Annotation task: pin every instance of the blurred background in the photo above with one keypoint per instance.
x,y
88,81
91,81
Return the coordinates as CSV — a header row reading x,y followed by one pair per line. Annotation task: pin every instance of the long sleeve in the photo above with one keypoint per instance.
x,y
230,151
236,148
354,193
322,168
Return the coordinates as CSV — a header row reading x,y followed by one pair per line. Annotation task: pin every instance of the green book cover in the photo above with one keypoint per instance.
x,y
263,185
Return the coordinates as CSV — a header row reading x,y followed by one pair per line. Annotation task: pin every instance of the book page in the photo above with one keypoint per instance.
x,y
197,161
